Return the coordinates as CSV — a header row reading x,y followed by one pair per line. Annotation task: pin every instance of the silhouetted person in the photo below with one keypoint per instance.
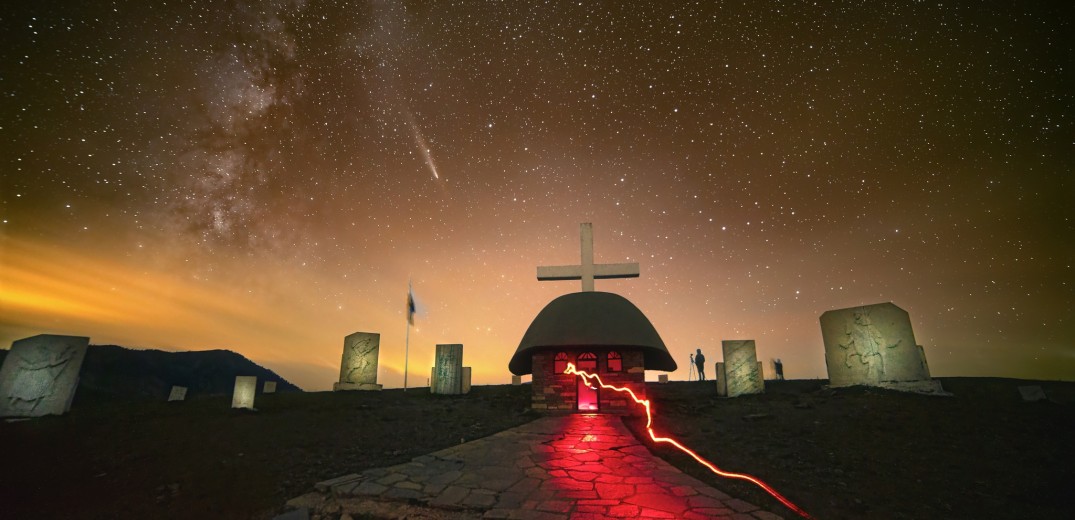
x,y
779,369
699,362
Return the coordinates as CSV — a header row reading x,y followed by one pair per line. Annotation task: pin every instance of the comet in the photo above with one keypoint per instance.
x,y
423,146
587,377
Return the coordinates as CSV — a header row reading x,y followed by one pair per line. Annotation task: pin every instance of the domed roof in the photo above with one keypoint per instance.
x,y
591,319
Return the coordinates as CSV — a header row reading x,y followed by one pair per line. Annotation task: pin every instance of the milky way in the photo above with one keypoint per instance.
x,y
260,176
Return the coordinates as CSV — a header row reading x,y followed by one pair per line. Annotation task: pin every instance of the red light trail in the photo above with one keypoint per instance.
x,y
712,467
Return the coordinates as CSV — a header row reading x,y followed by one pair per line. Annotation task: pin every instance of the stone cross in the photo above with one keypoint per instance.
x,y
587,271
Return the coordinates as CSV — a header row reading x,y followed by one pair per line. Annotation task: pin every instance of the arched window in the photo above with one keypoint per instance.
x,y
615,362
588,362
560,362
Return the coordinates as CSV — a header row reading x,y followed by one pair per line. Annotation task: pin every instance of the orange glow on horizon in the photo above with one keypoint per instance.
x,y
712,467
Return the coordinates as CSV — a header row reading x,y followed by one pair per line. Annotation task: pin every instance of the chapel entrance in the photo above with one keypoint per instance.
x,y
587,397
587,392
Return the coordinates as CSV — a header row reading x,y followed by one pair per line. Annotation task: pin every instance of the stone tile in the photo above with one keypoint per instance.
x,y
653,513
479,500
403,494
433,489
614,491
554,506
369,489
525,485
624,511
684,491
714,511
511,500
713,492
391,478
578,494
765,515
740,506
663,502
704,501
582,475
452,495
591,509
326,485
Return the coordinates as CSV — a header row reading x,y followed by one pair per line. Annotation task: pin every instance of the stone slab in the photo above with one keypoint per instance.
x,y
1032,393
662,378
871,344
40,375
516,380
448,370
269,387
743,375
243,395
465,386
360,355
178,393
722,381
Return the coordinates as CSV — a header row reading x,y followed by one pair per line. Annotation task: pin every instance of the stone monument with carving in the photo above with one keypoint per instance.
x,y
741,372
243,395
40,375
448,371
269,388
358,369
874,345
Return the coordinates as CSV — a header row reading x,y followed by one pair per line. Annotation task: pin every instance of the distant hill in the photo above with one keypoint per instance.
x,y
114,373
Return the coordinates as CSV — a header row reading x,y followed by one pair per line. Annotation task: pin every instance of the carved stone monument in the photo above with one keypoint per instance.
x,y
516,380
448,371
874,345
358,370
40,375
245,388
662,378
269,388
178,393
741,372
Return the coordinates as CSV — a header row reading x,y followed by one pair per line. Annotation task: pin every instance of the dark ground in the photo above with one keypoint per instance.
x,y
851,453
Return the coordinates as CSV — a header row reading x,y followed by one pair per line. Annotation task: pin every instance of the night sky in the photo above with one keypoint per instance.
x,y
266,177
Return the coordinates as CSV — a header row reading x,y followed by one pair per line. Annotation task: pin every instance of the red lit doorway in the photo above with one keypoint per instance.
x,y
587,394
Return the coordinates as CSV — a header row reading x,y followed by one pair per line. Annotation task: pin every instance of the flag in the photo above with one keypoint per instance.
x,y
410,306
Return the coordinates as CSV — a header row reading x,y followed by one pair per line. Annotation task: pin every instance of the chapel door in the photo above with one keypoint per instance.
x,y
587,392
587,397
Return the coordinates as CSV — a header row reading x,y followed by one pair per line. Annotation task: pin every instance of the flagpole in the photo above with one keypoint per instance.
x,y
407,342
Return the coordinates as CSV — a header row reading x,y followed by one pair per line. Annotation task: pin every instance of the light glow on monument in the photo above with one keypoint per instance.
x,y
587,377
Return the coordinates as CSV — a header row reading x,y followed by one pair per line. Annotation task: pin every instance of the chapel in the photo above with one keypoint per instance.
x,y
599,332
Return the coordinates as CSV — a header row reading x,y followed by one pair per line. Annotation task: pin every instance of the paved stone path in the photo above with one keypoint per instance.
x,y
566,467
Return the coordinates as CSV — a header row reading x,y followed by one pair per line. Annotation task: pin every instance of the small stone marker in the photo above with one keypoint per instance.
x,y
465,387
245,388
741,368
875,345
516,380
722,380
358,369
448,372
270,387
662,378
178,393
40,375
1032,393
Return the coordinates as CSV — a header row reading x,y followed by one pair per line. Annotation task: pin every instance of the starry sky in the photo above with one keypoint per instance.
x,y
266,177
